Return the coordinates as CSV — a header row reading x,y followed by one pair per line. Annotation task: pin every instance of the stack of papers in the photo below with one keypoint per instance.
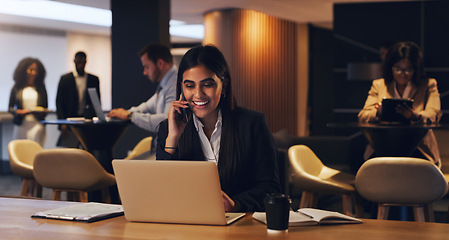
x,y
83,212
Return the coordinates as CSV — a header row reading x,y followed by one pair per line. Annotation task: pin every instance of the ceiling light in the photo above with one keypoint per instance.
x,y
195,31
176,22
57,11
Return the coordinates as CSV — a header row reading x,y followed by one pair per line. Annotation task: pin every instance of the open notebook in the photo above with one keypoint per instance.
x,y
171,192
311,216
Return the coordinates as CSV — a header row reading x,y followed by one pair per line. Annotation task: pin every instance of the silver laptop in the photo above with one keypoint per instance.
x,y
185,192
97,107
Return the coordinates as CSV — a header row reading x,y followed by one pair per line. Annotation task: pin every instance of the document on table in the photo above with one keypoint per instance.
x,y
83,212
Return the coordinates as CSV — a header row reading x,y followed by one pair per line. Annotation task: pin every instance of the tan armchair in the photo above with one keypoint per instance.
x,y
402,181
141,147
72,170
309,176
21,159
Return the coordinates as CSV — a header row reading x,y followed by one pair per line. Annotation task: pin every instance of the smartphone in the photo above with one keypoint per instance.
x,y
186,113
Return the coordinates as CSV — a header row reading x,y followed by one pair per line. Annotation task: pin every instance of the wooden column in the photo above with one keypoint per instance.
x,y
261,51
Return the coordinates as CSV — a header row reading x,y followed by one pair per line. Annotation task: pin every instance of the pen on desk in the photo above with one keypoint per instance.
x,y
307,215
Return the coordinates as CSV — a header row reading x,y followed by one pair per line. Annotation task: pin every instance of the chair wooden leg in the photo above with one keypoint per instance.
x,y
382,212
56,195
25,187
35,189
419,213
447,217
38,190
359,211
347,204
429,214
82,196
307,200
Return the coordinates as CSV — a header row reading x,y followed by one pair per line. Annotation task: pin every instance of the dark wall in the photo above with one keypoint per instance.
x,y
134,24
321,86
436,48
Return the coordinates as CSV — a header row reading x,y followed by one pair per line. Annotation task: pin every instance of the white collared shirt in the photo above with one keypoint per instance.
x,y
29,101
407,90
81,82
211,149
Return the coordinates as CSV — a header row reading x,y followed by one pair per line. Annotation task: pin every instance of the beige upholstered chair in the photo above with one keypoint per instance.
x,y
143,146
21,158
401,181
309,176
72,170
443,145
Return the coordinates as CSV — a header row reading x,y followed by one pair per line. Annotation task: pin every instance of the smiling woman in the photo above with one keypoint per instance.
x,y
236,139
202,90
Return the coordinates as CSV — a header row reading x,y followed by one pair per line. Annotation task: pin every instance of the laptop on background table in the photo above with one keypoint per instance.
x,y
97,107
185,192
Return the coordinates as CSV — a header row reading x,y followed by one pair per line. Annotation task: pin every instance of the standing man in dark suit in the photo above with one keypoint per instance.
x,y
72,99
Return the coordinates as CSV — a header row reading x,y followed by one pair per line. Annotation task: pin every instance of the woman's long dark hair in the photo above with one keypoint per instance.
x,y
409,51
20,74
210,57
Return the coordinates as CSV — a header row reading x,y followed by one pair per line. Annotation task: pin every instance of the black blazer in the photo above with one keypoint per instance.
x,y
258,171
16,102
67,96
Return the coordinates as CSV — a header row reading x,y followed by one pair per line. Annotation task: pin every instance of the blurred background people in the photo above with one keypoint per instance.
x,y
158,67
72,99
28,100
404,77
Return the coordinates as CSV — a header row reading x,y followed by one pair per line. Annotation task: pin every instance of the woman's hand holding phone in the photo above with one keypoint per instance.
x,y
378,106
176,123
407,111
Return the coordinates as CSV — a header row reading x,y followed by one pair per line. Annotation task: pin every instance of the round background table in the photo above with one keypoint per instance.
x,y
391,140
98,138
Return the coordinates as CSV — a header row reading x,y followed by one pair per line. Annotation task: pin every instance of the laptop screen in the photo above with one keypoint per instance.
x,y
171,192
96,103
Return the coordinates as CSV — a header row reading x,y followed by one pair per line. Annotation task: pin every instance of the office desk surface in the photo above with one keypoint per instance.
x,y
16,223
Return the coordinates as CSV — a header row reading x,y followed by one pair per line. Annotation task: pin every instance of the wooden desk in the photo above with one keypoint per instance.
x,y
16,223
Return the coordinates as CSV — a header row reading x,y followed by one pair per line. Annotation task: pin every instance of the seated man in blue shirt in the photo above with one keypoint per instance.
x,y
157,62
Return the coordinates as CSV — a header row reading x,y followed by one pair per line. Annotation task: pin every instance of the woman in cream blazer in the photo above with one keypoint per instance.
x,y
404,77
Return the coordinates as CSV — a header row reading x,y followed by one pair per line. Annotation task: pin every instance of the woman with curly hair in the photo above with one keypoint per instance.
x,y
28,100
